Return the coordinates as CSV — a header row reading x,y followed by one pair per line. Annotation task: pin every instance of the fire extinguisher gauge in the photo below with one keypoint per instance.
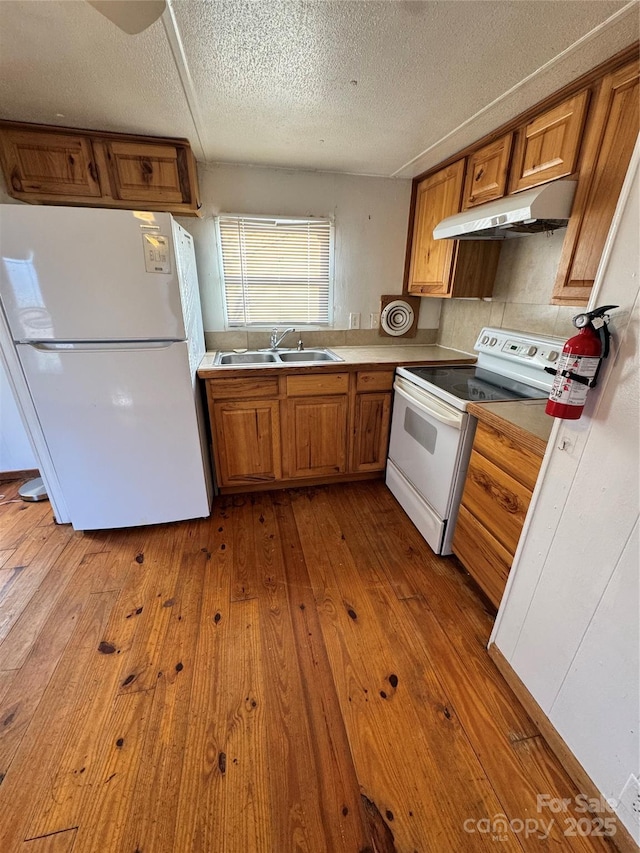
x,y
580,321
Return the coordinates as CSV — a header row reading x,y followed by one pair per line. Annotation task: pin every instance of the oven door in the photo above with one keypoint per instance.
x,y
427,445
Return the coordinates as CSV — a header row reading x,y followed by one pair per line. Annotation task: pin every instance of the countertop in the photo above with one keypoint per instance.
x,y
523,420
352,356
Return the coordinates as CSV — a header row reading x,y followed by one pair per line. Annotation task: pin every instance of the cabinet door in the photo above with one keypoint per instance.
x,y
438,196
486,175
247,441
548,147
316,436
148,172
496,500
371,432
49,166
486,560
611,135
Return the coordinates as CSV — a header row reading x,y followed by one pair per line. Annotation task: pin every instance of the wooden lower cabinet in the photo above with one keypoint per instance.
x,y
372,421
247,441
315,436
497,492
270,431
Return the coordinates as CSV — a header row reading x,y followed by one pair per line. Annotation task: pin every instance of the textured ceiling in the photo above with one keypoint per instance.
x,y
369,87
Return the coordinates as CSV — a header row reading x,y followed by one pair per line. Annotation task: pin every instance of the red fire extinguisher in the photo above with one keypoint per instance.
x,y
579,364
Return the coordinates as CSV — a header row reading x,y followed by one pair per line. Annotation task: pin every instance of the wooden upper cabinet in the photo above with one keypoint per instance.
x,y
48,165
610,139
144,172
487,169
447,268
437,197
548,146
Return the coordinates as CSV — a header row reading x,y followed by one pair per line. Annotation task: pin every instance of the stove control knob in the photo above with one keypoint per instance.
x,y
493,342
532,351
485,340
553,355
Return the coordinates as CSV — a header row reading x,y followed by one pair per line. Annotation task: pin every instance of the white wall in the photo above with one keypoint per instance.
x,y
569,622
15,448
371,217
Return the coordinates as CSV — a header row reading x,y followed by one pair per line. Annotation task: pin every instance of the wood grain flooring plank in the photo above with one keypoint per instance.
x,y
28,779
6,555
244,584
387,726
224,798
19,519
35,541
102,798
277,625
406,555
454,605
78,762
502,735
151,613
24,631
59,842
6,677
151,817
296,818
338,789
539,765
18,585
21,700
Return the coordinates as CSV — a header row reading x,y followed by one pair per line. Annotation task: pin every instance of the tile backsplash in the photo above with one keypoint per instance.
x,y
524,282
330,338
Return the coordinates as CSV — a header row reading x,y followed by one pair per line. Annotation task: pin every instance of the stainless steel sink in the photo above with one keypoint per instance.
x,y
252,358
246,358
309,355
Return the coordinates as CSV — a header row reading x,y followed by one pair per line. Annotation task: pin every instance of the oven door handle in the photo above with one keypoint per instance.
x,y
428,404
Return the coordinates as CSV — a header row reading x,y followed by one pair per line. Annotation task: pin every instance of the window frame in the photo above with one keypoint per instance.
x,y
283,218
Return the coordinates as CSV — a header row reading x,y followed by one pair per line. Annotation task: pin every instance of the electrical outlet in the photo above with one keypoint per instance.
x,y
374,320
630,798
354,321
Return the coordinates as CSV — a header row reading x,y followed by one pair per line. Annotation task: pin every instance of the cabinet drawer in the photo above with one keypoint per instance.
x,y
514,459
318,384
374,380
497,501
482,555
225,389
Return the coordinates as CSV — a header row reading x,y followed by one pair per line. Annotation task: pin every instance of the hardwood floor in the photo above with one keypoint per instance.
x,y
296,673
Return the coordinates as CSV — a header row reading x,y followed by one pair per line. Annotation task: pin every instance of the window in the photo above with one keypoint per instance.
x,y
276,270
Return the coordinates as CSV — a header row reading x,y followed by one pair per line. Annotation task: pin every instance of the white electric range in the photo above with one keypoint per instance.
x,y
432,433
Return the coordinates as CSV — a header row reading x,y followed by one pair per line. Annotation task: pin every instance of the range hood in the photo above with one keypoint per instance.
x,y
544,208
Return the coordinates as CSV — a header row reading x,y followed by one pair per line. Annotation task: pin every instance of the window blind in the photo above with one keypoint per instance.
x,y
276,270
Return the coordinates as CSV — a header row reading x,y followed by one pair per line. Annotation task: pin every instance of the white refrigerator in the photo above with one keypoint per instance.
x,y
101,334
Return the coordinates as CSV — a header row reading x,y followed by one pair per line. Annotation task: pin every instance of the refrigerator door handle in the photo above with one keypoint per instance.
x,y
98,346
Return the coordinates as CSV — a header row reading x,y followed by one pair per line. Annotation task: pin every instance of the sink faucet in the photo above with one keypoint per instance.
x,y
275,341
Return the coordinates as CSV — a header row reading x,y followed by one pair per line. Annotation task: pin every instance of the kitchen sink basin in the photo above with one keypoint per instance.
x,y
246,358
254,358
309,355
